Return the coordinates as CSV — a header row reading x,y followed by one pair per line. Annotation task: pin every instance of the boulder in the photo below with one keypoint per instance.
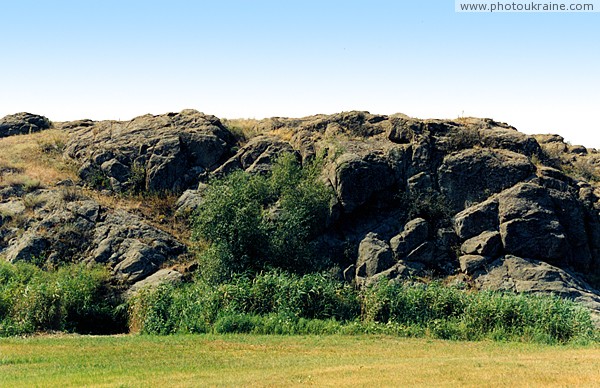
x,y
471,263
81,230
131,247
137,261
403,130
23,123
354,123
510,139
374,256
529,226
424,253
257,156
160,277
477,219
189,201
488,243
28,248
415,233
472,175
169,152
356,179
421,182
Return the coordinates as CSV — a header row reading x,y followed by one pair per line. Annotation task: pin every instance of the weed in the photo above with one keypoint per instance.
x,y
242,129
97,179
31,201
282,303
53,144
70,193
253,222
137,179
73,298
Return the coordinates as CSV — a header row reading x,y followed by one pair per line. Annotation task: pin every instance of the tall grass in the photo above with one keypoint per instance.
x,y
282,303
73,298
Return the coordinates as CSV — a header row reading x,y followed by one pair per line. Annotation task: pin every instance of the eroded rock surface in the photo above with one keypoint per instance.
x,y
23,123
169,152
75,230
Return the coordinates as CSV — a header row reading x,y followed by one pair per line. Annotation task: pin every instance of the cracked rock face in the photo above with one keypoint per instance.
x,y
169,152
62,231
23,123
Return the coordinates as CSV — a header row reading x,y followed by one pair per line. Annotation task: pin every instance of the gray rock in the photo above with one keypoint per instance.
x,y
114,169
510,139
472,175
477,219
138,261
414,234
424,253
471,263
133,248
421,182
81,230
23,123
160,277
256,156
28,248
403,129
529,226
162,153
189,201
374,256
397,271
356,179
486,244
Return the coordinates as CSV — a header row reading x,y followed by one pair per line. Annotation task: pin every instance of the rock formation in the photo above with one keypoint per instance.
x,y
469,198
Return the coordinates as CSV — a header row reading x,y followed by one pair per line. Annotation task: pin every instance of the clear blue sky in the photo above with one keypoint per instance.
x,y
105,59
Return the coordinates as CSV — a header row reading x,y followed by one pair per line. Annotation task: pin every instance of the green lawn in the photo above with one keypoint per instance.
x,y
243,360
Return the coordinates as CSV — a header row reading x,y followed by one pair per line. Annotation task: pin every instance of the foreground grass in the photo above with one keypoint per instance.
x,y
244,360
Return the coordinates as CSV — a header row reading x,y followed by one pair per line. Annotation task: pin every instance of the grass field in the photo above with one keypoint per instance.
x,y
250,360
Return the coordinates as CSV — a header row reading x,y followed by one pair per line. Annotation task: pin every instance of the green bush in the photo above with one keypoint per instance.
x,y
73,298
256,222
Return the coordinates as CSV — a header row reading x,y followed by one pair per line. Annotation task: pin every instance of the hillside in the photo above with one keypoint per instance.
x,y
469,201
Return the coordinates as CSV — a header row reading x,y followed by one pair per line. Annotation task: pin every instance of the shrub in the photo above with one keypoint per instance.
x,y
255,222
136,183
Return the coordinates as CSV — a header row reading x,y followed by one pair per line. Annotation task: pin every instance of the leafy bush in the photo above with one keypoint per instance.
x,y
254,222
74,298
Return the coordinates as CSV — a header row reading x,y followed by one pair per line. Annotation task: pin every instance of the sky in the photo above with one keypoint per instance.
x,y
105,59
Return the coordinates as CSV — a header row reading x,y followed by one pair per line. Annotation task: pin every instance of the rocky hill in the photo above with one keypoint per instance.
x,y
469,200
